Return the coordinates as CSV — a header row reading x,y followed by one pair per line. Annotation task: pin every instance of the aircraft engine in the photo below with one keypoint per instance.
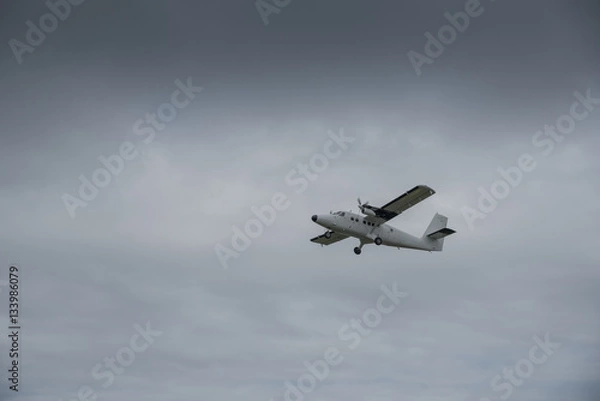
x,y
368,212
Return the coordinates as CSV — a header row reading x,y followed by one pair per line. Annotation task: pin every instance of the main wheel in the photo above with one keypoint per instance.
x,y
357,250
327,235
378,241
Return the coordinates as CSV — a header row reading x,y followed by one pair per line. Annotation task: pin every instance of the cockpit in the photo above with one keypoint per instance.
x,y
339,214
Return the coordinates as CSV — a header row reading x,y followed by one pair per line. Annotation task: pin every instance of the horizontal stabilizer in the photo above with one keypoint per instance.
x,y
441,233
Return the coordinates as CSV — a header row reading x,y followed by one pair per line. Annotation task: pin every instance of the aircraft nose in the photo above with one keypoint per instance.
x,y
314,218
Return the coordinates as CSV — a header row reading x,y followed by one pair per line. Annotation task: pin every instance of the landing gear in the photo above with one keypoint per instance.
x,y
358,249
328,235
378,241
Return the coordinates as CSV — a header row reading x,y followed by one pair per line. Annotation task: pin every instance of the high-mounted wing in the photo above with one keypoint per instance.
x,y
402,203
329,238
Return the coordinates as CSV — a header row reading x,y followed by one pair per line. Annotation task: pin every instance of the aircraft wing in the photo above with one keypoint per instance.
x,y
333,238
402,203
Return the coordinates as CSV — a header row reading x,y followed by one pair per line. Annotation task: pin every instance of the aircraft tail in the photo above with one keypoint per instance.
x,y
437,231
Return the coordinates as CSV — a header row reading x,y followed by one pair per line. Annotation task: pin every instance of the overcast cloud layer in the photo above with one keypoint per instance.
x,y
142,250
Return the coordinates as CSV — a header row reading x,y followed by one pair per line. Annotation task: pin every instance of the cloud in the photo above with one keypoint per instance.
x,y
143,250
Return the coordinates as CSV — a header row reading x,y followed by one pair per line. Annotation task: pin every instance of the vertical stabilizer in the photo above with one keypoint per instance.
x,y
437,231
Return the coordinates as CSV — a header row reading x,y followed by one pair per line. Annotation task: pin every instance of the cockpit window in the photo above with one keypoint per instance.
x,y
342,214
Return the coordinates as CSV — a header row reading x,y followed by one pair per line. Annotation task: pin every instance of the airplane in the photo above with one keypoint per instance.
x,y
372,227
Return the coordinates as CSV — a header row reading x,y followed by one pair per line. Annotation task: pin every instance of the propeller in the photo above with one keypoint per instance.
x,y
367,209
361,205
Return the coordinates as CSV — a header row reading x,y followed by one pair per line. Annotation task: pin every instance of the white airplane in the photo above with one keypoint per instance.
x,y
371,228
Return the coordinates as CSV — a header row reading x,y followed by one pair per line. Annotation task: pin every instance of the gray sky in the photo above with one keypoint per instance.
x,y
143,249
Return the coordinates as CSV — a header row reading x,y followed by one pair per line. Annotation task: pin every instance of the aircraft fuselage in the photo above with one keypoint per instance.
x,y
368,231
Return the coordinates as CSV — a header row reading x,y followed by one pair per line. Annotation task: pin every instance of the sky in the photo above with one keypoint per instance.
x,y
139,139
